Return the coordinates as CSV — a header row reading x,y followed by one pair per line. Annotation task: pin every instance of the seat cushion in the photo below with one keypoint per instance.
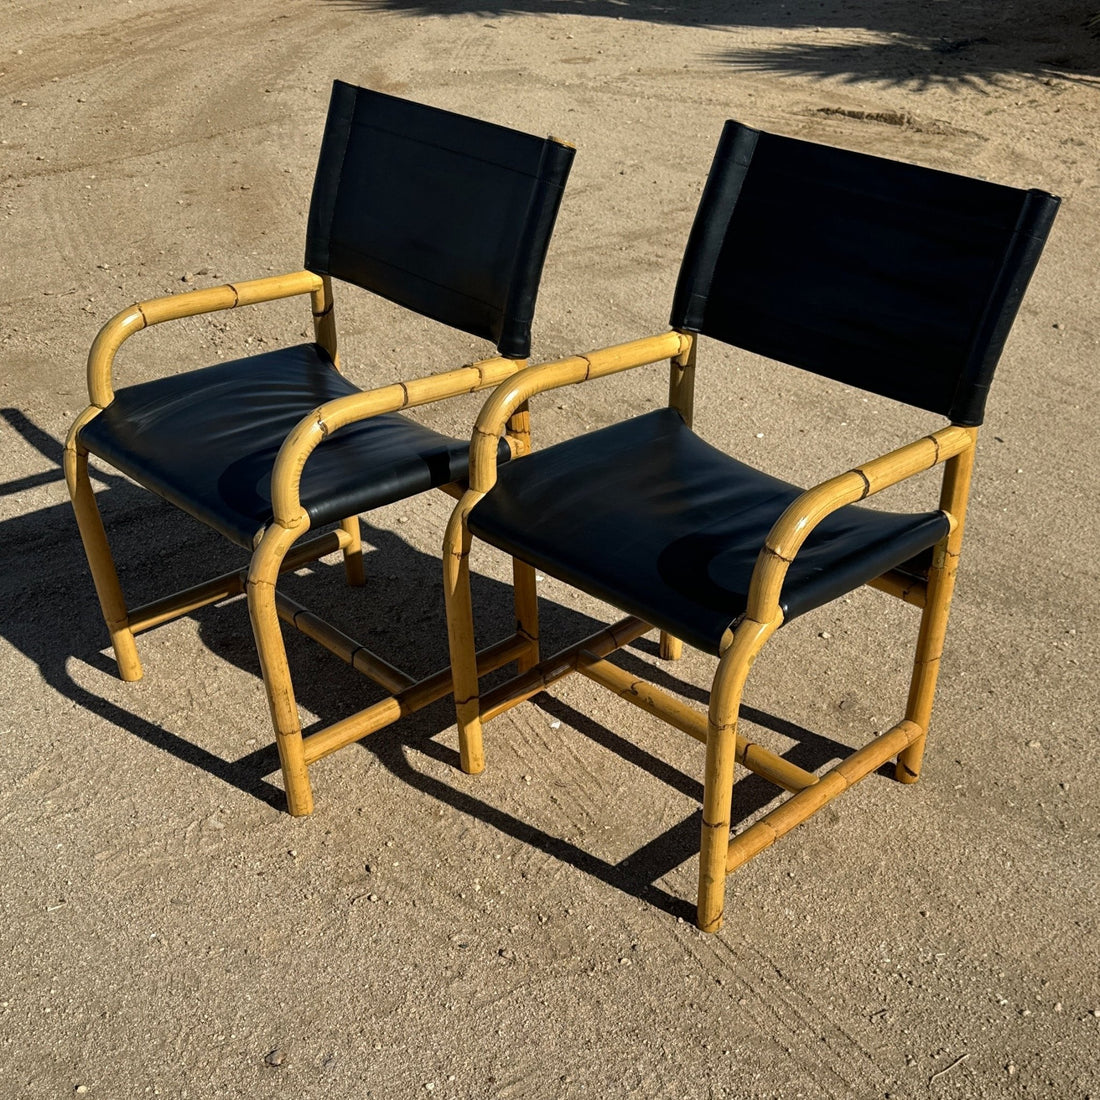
x,y
206,440
650,518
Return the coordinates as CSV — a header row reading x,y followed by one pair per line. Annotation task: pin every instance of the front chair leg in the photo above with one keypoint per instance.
x,y
262,577
671,647
102,566
460,635
725,702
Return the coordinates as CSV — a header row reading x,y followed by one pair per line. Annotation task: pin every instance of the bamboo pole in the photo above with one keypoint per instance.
x,y
725,703
98,552
460,634
311,430
190,304
800,518
345,647
494,415
417,696
902,586
648,697
524,585
262,576
226,586
805,804
933,626
598,645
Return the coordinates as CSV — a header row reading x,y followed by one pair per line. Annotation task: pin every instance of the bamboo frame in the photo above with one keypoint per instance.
x,y
279,548
952,447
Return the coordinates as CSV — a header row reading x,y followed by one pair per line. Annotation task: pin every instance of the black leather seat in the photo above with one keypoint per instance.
x,y
242,412
671,528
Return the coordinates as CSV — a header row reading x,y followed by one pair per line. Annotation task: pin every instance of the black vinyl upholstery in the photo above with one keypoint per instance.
x,y
899,279
446,215
647,516
206,441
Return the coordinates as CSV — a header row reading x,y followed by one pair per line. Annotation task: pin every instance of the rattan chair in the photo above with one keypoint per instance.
x,y
896,279
446,215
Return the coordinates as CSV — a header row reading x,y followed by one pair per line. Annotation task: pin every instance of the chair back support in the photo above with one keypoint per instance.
x,y
446,215
899,279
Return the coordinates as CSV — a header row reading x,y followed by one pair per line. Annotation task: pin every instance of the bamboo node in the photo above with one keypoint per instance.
x,y
866,483
405,391
236,295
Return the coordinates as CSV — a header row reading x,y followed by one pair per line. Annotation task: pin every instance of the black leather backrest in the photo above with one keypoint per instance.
x,y
444,214
898,279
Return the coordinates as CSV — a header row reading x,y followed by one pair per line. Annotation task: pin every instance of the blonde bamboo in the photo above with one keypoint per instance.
x,y
308,434
494,415
670,648
262,576
324,319
904,587
346,648
353,553
933,626
799,807
100,562
226,586
725,702
653,701
797,522
416,697
549,671
190,304
460,634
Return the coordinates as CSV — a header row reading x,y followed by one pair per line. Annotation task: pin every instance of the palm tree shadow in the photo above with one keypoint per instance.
x,y
44,582
914,46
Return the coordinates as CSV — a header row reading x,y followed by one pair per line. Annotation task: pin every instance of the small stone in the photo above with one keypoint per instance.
x,y
1011,1067
1057,1006
372,897
275,1057
824,634
1035,744
187,277
1096,1013
80,1090
506,953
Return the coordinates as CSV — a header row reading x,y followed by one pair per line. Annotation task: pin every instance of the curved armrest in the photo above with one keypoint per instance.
x,y
189,304
507,398
313,429
794,526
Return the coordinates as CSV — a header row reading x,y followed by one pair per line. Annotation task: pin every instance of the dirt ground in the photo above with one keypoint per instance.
x,y
167,930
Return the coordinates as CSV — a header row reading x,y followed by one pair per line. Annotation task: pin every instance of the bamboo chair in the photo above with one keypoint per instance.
x,y
897,279
445,215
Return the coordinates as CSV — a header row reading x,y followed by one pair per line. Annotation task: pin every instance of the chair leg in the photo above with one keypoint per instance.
x,y
672,648
926,664
353,553
937,603
460,634
725,702
262,577
102,566
525,594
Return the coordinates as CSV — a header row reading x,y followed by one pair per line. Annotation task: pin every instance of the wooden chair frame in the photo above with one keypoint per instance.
x,y
280,550
952,446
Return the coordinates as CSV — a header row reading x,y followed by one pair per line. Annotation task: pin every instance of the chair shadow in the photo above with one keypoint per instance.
x,y
44,581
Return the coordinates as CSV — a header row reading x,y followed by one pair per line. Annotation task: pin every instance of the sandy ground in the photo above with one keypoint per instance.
x,y
526,933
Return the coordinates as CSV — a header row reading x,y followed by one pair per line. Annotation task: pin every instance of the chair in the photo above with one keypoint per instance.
x,y
445,215
895,279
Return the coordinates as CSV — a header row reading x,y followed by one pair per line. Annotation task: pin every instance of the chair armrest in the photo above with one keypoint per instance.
x,y
189,304
794,526
313,429
506,399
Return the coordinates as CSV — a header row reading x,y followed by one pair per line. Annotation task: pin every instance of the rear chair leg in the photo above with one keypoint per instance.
x,y
102,566
671,647
353,553
525,593
937,604
262,577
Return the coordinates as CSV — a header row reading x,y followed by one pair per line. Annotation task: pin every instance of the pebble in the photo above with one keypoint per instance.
x,y
275,1057
80,1090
